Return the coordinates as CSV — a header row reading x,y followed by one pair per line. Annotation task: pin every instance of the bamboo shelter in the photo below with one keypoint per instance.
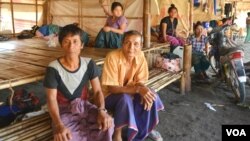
x,y
25,61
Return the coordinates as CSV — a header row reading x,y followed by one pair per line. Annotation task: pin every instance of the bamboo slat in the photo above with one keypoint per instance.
x,y
44,136
30,134
26,132
27,58
23,124
157,77
166,81
7,64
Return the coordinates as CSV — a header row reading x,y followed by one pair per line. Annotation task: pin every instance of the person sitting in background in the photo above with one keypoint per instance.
x,y
45,31
74,118
134,105
168,28
247,40
199,44
111,34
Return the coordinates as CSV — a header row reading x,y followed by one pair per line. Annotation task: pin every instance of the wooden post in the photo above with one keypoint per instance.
x,y
235,10
222,5
81,18
182,87
49,16
186,77
146,23
12,17
45,12
191,2
209,5
79,12
0,13
36,12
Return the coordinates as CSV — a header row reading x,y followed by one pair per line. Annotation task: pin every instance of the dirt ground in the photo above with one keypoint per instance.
x,y
186,118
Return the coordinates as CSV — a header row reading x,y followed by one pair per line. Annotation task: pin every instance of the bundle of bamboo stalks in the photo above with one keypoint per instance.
x,y
34,129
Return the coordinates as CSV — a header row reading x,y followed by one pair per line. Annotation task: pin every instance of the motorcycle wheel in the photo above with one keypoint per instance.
x,y
213,63
237,86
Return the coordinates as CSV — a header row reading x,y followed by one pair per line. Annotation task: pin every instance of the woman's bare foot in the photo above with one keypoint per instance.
x,y
117,135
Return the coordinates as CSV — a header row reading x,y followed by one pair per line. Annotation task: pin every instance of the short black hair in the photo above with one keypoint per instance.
x,y
131,33
248,13
172,7
70,29
116,4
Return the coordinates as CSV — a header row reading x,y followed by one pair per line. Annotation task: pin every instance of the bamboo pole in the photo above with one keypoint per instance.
x,y
222,4
21,82
49,16
146,23
81,17
235,10
79,12
90,16
0,14
17,3
12,17
209,5
36,12
191,5
156,47
187,56
182,86
45,12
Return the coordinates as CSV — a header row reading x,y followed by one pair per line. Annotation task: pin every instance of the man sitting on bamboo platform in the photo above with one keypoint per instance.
x,y
74,117
134,105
